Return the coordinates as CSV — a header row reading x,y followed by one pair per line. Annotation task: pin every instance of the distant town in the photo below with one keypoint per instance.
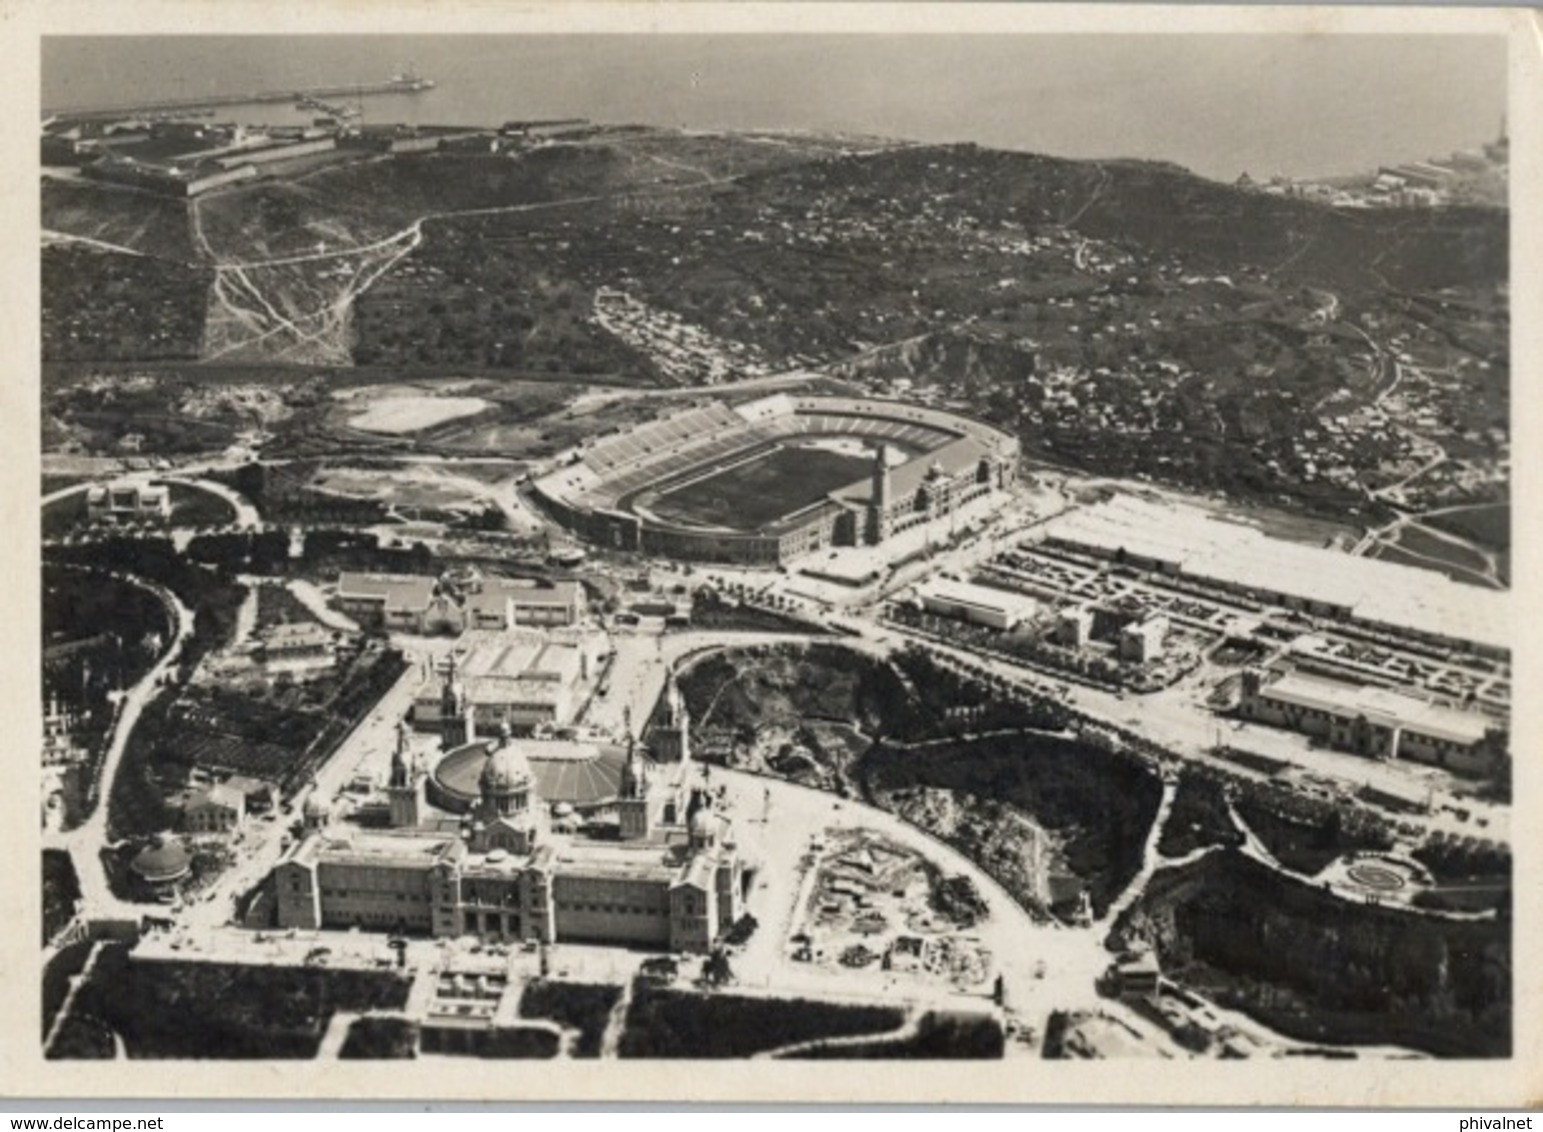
x,y
577,590
1467,176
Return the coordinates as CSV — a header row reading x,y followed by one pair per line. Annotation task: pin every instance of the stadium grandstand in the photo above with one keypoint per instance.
x,y
777,478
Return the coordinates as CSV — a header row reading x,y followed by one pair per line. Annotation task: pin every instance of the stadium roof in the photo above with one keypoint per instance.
x,y
1382,593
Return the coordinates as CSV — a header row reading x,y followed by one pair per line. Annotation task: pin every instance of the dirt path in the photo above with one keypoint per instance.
x,y
312,598
76,982
616,1023
300,317
52,237
905,1031
1151,859
85,842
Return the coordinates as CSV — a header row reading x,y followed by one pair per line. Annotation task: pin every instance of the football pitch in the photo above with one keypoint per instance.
x,y
754,494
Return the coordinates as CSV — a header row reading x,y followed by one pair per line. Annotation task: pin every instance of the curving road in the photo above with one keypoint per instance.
x,y
85,842
247,517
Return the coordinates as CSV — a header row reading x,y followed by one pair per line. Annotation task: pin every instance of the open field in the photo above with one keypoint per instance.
x,y
406,414
1467,564
1487,525
406,487
103,304
192,506
1442,557
878,906
143,222
759,491
65,514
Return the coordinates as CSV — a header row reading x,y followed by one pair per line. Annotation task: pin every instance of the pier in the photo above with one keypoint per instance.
x,y
399,85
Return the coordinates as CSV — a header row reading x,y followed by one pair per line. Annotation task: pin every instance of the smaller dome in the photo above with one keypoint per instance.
x,y
166,861
562,810
314,806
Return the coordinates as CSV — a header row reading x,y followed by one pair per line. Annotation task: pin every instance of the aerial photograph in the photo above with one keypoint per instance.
x,y
787,546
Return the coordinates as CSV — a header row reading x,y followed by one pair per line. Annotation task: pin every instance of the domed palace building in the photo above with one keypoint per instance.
x,y
530,839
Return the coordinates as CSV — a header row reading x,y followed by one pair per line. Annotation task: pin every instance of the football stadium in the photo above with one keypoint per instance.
x,y
775,479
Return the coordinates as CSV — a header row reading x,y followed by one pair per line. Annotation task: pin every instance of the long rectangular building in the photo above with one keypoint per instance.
x,y
1388,596
502,603
982,605
414,604
1367,720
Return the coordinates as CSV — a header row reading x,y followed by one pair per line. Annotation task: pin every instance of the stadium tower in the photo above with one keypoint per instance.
x,y
406,788
878,502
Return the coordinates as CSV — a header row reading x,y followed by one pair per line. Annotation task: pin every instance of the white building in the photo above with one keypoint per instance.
x,y
1178,540
1367,720
523,678
217,809
127,501
1074,627
1142,641
980,605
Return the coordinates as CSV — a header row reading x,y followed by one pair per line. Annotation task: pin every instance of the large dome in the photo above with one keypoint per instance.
x,y
583,774
507,770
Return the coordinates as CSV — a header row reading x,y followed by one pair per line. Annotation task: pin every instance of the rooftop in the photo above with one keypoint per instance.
x,y
1382,593
495,591
397,591
367,847
220,795
164,862
1381,706
978,597
295,634
636,860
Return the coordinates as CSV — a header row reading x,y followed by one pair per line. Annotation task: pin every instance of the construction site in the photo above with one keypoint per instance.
x,y
874,905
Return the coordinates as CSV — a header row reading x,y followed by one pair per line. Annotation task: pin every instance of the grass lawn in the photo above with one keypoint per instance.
x,y
223,1010
1422,542
674,1023
194,507
1489,526
753,494
65,514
